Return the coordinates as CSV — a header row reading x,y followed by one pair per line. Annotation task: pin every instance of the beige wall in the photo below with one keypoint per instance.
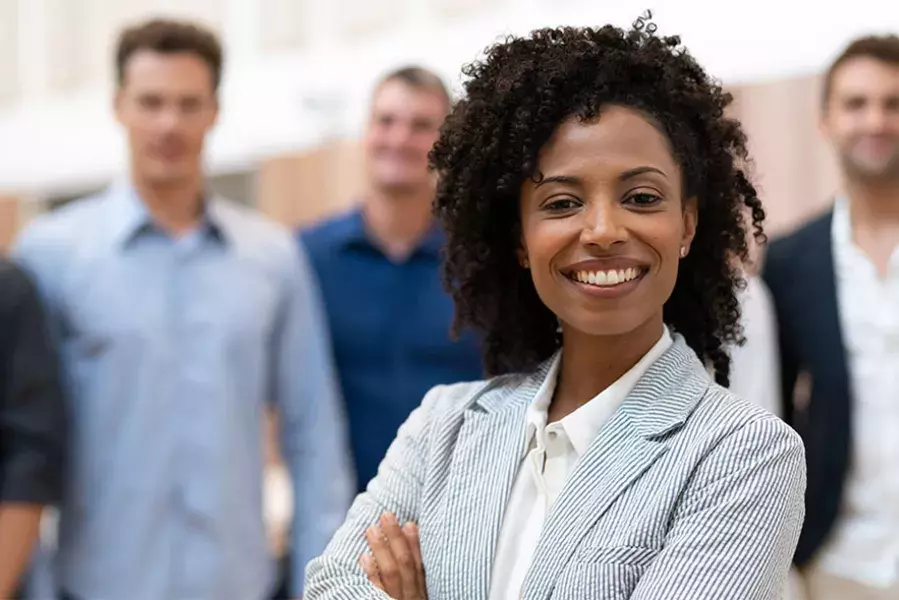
x,y
794,169
300,189
9,221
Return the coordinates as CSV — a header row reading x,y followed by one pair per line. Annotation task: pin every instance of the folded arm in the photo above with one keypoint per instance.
x,y
337,574
736,527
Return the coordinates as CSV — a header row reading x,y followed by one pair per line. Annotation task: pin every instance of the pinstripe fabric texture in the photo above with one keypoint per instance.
x,y
687,493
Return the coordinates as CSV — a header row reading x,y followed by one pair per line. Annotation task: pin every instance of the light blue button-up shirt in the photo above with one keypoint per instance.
x,y
173,346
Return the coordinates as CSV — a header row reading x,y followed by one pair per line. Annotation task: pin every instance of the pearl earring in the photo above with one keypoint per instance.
x,y
683,251
525,263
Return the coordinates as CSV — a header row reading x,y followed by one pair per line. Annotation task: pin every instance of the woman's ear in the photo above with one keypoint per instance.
x,y
523,259
691,221
522,255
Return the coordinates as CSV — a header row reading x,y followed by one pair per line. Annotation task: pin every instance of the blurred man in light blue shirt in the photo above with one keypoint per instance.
x,y
180,316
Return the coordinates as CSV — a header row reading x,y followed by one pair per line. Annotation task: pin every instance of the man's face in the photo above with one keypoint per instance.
x,y
404,125
167,104
861,118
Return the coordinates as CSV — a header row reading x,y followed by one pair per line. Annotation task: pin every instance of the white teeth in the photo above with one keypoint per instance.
x,y
606,278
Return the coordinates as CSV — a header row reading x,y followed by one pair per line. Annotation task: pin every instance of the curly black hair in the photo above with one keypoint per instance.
x,y
514,100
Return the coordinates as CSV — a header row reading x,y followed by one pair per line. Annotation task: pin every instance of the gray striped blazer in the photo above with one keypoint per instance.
x,y
688,492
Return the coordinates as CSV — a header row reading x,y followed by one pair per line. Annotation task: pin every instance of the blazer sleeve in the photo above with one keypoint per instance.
x,y
736,527
336,574
32,421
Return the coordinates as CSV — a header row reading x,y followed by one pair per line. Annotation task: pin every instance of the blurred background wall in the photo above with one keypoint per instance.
x,y
299,74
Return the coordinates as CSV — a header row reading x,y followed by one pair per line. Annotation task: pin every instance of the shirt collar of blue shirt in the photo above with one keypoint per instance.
x,y
354,234
132,218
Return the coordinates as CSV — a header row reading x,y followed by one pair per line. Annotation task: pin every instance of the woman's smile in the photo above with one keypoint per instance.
x,y
606,278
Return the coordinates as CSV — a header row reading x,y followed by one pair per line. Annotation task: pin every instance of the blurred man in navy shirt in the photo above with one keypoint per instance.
x,y
379,267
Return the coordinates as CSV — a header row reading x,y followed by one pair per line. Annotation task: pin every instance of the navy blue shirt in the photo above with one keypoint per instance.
x,y
390,326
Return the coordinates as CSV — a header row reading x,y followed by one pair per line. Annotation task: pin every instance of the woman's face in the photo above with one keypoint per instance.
x,y
604,227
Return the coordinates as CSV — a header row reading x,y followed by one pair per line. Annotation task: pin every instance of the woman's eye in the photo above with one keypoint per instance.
x,y
643,199
561,205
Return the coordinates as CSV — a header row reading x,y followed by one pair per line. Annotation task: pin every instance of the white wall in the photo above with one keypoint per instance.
x,y
301,70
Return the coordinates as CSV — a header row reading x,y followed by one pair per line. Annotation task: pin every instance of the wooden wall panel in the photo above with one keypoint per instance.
x,y
300,189
9,221
794,167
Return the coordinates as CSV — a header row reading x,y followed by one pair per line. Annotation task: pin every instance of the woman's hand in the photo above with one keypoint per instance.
x,y
394,564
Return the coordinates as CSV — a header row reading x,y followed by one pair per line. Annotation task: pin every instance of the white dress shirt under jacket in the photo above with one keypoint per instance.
x,y
553,451
864,546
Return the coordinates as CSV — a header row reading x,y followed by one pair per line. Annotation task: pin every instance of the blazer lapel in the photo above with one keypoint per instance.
x,y
626,447
826,420
488,452
821,312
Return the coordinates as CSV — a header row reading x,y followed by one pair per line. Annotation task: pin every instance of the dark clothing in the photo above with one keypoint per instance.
x,y
32,423
800,273
390,326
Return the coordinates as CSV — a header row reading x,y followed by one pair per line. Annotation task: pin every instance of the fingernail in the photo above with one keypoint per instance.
x,y
389,519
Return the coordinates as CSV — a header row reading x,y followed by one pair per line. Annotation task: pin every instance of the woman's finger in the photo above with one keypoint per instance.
x,y
403,557
386,564
371,570
411,532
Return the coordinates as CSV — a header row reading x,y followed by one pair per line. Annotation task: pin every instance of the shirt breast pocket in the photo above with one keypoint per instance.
x,y
94,408
80,354
95,330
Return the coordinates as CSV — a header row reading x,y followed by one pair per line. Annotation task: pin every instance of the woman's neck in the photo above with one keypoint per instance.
x,y
590,364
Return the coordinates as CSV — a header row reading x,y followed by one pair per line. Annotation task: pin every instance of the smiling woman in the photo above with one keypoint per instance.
x,y
597,209
605,205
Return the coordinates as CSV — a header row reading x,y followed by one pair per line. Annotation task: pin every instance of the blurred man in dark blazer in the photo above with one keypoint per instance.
x,y
835,285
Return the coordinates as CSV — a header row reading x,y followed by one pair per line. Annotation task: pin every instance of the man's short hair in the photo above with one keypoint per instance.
x,y
168,36
884,48
420,79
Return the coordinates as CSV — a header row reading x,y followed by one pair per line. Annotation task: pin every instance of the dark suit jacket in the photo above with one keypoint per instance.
x,y
799,271
32,423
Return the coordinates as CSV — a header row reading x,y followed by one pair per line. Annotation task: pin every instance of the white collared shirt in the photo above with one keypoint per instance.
x,y
553,451
755,371
864,545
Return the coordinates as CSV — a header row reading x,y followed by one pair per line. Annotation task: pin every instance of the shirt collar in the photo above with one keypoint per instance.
x,y
355,234
132,219
841,226
849,257
583,425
